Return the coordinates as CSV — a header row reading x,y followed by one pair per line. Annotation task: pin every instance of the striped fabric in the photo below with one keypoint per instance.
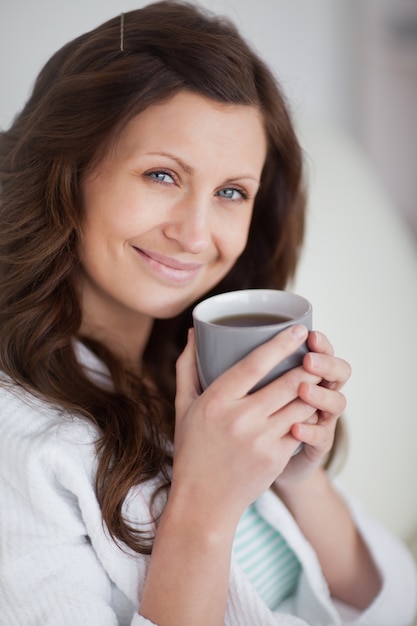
x,y
266,558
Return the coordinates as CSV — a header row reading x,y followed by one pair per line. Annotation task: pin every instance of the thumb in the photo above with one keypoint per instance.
x,y
188,385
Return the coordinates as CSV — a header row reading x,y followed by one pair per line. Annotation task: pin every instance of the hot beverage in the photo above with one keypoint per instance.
x,y
230,325
251,319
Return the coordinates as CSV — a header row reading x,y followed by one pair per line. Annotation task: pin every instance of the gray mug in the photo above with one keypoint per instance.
x,y
230,325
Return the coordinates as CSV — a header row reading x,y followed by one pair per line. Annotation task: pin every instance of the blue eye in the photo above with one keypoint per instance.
x,y
161,177
230,193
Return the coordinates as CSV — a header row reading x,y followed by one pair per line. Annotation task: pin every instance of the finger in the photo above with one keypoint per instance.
x,y
319,436
295,411
328,401
334,371
318,342
313,419
282,391
187,382
243,376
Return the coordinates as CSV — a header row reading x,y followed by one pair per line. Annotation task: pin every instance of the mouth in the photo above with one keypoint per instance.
x,y
168,268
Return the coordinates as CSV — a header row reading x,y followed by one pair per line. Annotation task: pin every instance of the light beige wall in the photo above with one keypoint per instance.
x,y
387,96
304,41
359,269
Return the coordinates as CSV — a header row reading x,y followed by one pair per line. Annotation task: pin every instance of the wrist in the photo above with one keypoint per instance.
x,y
192,516
313,486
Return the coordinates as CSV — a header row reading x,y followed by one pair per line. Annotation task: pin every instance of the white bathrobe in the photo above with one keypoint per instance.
x,y
58,566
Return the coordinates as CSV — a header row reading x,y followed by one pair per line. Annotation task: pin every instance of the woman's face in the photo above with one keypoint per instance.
x,y
167,211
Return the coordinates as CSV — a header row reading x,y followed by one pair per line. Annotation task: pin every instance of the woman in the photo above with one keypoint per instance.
x,y
155,164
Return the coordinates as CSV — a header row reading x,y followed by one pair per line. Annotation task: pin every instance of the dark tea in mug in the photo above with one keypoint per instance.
x,y
251,319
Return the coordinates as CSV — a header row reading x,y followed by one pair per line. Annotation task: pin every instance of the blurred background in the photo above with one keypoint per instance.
x,y
348,67
349,63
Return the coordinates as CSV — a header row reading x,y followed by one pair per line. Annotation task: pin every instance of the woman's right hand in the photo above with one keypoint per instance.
x,y
230,445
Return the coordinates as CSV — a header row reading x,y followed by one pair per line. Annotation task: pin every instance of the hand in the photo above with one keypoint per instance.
x,y
317,433
230,445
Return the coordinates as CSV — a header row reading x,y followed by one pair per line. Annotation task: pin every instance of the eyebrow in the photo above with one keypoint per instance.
x,y
189,169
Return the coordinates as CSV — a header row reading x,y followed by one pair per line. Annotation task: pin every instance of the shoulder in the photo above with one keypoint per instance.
x,y
49,458
27,414
37,436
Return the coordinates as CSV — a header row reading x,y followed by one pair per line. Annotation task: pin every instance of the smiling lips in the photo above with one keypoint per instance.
x,y
167,267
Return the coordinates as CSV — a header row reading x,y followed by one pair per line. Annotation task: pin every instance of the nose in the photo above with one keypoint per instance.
x,y
189,225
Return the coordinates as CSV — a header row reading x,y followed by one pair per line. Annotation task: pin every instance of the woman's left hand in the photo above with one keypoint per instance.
x,y
317,433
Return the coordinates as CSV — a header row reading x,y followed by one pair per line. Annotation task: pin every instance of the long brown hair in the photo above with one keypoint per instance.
x,y
82,97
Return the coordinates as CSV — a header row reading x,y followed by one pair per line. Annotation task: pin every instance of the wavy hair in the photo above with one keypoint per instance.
x,y
81,99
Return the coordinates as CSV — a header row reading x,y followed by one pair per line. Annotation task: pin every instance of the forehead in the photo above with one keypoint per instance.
x,y
191,118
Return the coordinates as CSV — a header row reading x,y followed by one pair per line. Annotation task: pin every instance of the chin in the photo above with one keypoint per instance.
x,y
167,308
171,310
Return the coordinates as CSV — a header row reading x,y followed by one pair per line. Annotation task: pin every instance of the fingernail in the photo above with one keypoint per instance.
x,y
298,331
317,338
314,359
301,431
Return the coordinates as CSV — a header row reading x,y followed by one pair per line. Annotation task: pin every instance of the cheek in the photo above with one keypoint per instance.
x,y
236,237
233,244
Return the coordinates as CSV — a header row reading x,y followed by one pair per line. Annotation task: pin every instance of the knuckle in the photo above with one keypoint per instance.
x,y
306,410
292,379
253,367
311,415
214,402
237,429
342,402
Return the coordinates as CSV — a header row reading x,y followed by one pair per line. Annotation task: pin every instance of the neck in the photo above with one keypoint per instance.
x,y
125,332
126,338
127,343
